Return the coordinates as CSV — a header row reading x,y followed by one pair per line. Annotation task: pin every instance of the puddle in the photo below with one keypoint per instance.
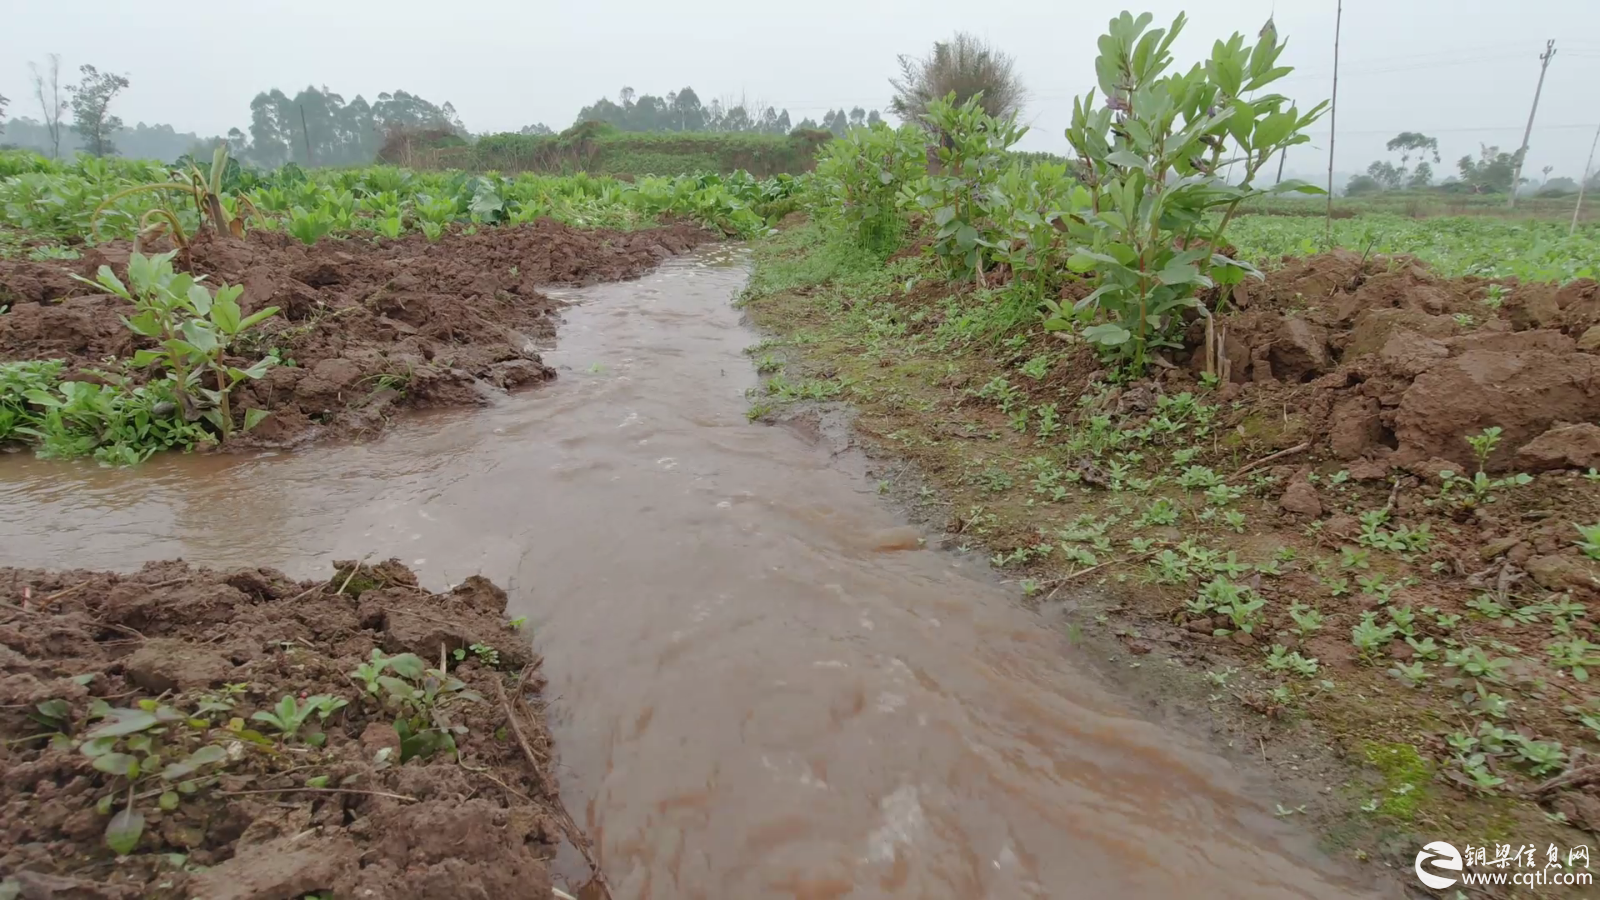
x,y
760,687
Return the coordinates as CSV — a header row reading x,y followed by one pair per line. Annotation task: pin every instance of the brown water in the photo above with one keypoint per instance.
x,y
761,688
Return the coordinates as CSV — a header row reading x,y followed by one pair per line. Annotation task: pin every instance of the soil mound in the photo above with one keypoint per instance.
x,y
364,328
1385,360
272,739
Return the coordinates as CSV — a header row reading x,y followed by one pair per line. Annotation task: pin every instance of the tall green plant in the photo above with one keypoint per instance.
x,y
1166,161
971,155
860,175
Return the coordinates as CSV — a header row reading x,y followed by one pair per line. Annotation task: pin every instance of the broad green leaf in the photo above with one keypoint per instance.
x,y
124,721
110,281
1127,159
200,335
253,417
124,829
407,665
141,271
199,299
168,800
1107,333
259,315
145,323
1179,273
225,315
1271,129
117,764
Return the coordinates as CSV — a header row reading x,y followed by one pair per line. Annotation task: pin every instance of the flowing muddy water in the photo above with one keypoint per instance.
x,y
762,686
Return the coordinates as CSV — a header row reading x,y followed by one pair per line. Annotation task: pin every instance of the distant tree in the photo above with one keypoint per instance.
x,y
1363,184
3,101
858,117
874,118
317,126
1387,176
537,128
47,88
808,124
683,111
1413,143
91,109
1491,173
1559,187
965,65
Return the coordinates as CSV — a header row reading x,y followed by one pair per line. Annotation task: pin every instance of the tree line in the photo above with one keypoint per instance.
x,y
683,110
1492,171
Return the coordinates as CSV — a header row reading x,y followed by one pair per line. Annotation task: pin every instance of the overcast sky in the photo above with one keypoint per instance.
x,y
1463,71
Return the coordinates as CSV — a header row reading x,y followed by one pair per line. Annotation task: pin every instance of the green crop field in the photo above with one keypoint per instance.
x,y
48,208
1528,249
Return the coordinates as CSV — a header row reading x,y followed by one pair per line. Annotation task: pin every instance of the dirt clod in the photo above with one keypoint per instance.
x,y
338,803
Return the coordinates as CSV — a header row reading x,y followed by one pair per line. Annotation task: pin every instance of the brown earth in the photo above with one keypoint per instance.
x,y
370,327
333,809
1387,361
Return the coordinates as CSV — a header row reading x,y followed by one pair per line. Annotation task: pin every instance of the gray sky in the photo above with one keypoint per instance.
x,y
1461,70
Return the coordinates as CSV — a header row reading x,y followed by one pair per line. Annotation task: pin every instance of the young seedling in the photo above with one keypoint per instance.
x,y
1484,443
289,715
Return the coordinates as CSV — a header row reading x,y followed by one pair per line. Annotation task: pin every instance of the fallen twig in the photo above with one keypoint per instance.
x,y
64,592
1298,448
1570,778
316,790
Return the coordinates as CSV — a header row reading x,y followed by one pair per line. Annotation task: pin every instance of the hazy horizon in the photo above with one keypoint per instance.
x,y
1465,77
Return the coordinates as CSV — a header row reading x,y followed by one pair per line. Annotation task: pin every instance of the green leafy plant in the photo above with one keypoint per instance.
x,y
1589,541
1575,654
1156,159
194,329
971,154
1484,443
289,715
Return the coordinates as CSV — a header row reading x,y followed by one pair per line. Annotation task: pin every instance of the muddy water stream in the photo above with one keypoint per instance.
x,y
762,687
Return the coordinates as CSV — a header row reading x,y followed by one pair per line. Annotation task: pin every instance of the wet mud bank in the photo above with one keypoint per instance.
x,y
365,329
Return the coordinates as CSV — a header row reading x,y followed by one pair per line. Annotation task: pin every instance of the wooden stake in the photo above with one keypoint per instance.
x,y
1333,120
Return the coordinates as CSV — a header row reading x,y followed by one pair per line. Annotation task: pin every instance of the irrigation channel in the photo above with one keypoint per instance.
x,y
762,685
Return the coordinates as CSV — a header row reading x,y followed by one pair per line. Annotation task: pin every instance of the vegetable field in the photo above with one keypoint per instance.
x,y
49,208
1527,249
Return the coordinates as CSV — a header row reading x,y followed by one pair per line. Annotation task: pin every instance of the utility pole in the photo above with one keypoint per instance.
x,y
1516,168
1583,184
306,133
1333,120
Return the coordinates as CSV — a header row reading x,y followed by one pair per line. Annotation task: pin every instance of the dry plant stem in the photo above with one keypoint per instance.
x,y
313,790
1298,448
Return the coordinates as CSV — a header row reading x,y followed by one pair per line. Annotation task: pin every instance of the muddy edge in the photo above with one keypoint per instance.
x,y
1363,375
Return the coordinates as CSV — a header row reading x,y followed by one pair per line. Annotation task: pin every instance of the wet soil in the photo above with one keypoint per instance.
x,y
189,660
762,682
1350,386
365,328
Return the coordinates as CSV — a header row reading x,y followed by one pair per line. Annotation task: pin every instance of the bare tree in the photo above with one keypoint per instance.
x,y
49,94
966,65
91,109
